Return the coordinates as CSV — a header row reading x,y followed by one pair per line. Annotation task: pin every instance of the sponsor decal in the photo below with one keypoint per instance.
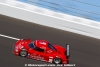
x,y
38,57
42,43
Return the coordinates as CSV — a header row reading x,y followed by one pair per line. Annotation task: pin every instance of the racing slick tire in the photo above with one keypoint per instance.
x,y
57,61
23,53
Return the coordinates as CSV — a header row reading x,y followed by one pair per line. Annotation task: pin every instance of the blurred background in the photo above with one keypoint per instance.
x,y
89,9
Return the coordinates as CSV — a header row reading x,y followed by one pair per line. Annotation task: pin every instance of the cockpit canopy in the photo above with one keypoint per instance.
x,y
41,44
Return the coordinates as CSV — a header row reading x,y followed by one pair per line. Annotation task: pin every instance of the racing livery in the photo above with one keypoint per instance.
x,y
42,50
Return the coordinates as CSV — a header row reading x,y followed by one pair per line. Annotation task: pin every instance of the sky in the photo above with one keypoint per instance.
x,y
89,9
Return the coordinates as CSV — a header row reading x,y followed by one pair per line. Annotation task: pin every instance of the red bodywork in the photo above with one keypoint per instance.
x,y
48,53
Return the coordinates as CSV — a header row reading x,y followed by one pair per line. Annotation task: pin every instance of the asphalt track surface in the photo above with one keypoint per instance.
x,y
85,51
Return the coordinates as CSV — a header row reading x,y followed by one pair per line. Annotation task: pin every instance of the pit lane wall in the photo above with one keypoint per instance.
x,y
49,18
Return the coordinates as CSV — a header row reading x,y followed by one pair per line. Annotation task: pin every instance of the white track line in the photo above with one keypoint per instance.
x,y
9,37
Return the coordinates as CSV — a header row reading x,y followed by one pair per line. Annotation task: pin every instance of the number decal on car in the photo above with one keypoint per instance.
x,y
50,59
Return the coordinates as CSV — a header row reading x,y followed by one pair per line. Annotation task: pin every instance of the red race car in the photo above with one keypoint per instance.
x,y
42,50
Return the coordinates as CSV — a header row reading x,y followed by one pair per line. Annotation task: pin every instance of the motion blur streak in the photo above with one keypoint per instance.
x,y
85,51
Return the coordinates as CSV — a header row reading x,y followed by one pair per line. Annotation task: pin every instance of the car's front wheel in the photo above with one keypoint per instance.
x,y
23,53
57,61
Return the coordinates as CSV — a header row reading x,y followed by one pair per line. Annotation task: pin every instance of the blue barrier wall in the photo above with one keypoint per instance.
x,y
89,9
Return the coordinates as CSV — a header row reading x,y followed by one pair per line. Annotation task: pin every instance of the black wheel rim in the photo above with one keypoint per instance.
x,y
57,60
23,53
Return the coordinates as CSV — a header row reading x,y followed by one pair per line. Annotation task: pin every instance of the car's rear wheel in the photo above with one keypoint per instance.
x,y
23,53
57,61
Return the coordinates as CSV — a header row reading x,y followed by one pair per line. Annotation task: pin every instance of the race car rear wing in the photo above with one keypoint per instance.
x,y
67,50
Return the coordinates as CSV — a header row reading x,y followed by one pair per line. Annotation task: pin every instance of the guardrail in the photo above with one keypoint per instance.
x,y
49,18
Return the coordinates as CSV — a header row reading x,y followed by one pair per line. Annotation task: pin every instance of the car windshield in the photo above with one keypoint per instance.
x,y
50,46
31,45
